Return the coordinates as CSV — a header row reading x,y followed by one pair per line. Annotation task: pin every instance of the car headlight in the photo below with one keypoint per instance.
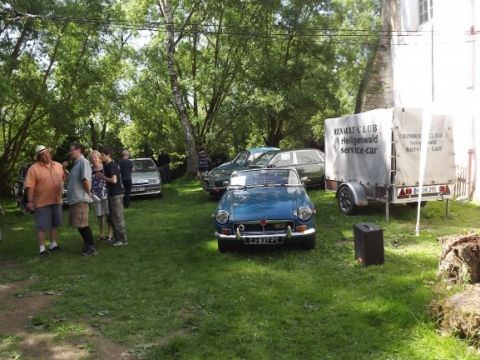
x,y
304,213
222,217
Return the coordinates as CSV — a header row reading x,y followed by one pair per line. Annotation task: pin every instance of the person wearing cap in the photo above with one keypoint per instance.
x,y
44,183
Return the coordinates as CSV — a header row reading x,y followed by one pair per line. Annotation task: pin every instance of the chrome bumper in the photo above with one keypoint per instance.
x,y
209,184
146,192
213,188
246,236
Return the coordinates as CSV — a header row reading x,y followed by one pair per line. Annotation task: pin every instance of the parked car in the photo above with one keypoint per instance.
x,y
309,163
216,181
265,207
146,180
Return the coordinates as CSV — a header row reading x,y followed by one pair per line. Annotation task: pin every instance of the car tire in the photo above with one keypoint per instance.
x,y
215,196
224,246
346,201
309,243
322,184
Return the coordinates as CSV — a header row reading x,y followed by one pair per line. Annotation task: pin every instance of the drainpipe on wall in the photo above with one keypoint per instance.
x,y
470,181
476,112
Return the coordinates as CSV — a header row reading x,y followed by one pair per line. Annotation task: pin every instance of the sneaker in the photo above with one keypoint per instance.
x,y
56,248
111,241
89,252
44,253
120,243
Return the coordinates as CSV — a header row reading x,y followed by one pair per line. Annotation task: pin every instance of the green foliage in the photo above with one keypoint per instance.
x,y
250,73
255,73
60,79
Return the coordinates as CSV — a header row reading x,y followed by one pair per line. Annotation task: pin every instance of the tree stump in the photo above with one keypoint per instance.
x,y
460,258
460,314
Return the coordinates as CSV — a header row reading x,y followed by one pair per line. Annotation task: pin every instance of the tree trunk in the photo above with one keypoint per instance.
x,y
189,135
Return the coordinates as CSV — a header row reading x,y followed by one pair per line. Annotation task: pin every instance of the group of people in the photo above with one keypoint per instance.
x,y
100,181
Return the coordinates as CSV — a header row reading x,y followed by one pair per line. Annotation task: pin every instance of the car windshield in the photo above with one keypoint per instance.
x,y
270,177
263,159
143,165
255,155
241,158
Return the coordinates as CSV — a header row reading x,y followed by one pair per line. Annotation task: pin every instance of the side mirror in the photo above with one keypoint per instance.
x,y
304,179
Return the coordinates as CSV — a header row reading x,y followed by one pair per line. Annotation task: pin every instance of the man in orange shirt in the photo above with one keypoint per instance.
x,y
44,183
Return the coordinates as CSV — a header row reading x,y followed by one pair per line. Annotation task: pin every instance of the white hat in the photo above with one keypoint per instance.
x,y
39,149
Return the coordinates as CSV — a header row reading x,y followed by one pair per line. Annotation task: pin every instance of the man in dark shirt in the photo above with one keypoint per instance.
x,y
126,168
115,197
164,166
202,163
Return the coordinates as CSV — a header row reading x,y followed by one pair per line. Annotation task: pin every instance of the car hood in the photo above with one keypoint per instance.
x,y
143,177
274,203
225,169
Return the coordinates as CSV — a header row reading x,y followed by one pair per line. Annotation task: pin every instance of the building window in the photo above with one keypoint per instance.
x,y
425,10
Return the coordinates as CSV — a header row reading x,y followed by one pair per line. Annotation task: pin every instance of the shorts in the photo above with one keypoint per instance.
x,y
48,217
101,207
79,215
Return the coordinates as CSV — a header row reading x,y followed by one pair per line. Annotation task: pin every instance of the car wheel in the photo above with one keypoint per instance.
x,y
310,242
224,246
346,201
322,183
215,195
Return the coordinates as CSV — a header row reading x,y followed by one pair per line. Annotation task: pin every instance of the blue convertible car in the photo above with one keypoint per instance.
x,y
265,207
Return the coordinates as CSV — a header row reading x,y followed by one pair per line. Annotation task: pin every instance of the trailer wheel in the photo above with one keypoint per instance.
x,y
346,201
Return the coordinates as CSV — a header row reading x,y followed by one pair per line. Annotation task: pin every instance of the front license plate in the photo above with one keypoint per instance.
x,y
138,189
426,190
262,241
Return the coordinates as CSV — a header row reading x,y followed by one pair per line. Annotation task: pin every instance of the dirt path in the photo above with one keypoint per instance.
x,y
17,308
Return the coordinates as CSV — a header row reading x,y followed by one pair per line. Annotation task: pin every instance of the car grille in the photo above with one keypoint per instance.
x,y
214,183
256,227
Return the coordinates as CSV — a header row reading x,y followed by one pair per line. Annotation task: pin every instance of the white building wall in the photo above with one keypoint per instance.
x,y
437,64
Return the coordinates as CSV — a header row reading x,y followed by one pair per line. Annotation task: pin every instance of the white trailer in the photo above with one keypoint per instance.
x,y
375,157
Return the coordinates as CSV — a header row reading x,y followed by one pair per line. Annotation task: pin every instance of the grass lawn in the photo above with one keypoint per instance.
x,y
171,295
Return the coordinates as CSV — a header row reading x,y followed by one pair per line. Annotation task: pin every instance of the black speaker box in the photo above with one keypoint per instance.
x,y
368,244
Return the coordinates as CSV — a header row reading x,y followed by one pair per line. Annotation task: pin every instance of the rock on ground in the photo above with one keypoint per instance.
x,y
460,314
460,258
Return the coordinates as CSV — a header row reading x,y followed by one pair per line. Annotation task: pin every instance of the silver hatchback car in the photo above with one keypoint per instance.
x,y
146,180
